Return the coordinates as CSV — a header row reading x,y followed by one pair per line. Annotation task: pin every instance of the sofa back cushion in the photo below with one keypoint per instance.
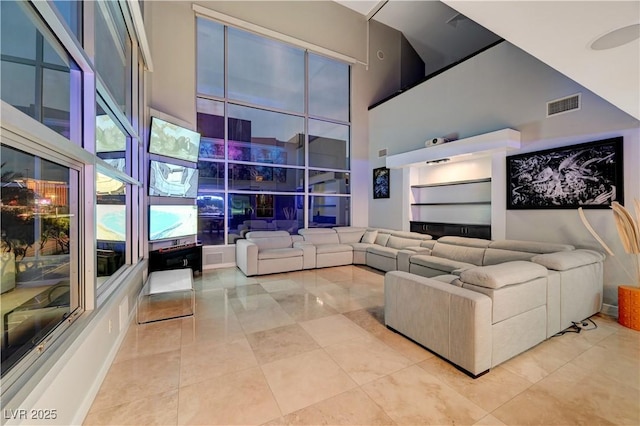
x,y
320,235
400,243
349,234
473,255
270,239
413,235
495,256
382,238
466,242
537,247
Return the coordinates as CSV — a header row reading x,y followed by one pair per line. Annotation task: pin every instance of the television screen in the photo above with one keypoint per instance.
x,y
171,180
173,141
172,221
111,222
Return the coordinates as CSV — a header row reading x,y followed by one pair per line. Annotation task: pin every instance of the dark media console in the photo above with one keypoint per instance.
x,y
177,257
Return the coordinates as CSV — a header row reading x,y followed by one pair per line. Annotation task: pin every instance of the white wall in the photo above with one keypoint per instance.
x,y
506,88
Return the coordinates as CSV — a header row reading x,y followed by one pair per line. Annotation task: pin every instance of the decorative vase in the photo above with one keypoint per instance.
x,y
629,306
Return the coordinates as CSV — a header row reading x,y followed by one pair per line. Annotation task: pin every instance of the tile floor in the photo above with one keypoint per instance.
x,y
310,347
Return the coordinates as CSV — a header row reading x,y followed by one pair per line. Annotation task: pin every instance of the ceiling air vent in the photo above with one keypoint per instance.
x,y
382,153
560,106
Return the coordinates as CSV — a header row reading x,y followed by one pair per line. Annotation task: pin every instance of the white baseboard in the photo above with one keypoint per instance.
x,y
611,310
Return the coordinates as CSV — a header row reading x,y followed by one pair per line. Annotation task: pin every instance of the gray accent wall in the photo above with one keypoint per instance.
x,y
505,87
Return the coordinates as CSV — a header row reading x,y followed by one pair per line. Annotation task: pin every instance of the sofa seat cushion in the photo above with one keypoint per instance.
x,y
448,278
383,251
333,248
361,246
440,263
280,253
563,261
504,274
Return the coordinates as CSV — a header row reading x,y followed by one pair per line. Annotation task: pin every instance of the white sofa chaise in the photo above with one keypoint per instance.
x,y
269,252
478,321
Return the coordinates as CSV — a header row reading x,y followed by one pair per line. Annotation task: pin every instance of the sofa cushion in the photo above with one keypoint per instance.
x,y
496,276
281,253
413,235
383,251
466,254
465,241
266,240
494,256
333,248
319,236
382,238
349,234
439,263
400,242
563,261
530,246
369,236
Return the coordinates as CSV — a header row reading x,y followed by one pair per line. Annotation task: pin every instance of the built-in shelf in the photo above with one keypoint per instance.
x,y
459,182
462,149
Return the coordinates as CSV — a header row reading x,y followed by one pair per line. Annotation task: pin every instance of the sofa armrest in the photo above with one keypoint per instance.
x,y
565,260
453,322
308,254
247,257
405,254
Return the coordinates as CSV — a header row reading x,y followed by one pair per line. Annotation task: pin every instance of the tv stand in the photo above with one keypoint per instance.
x,y
176,257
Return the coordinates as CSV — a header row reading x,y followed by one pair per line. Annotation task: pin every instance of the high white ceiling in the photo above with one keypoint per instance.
x,y
558,33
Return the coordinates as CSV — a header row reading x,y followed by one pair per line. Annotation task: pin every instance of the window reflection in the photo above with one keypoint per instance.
x,y
261,212
39,233
328,145
328,84
111,225
328,211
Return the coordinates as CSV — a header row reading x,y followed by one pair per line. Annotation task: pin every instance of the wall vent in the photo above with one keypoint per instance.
x,y
566,104
382,153
213,258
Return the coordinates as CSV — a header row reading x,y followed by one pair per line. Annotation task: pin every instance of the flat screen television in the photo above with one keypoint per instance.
x,y
172,221
111,222
172,180
173,141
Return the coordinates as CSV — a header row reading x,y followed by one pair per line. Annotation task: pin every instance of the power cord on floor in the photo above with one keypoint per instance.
x,y
578,327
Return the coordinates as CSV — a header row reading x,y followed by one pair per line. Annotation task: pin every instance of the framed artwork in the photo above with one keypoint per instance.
x,y
588,175
264,205
381,182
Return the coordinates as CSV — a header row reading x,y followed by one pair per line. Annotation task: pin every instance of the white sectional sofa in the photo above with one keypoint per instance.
x,y
270,252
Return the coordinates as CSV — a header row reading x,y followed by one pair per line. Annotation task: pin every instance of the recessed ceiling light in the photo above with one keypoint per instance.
x,y
617,37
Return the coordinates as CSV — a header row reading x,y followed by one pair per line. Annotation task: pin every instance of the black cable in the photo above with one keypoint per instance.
x,y
577,327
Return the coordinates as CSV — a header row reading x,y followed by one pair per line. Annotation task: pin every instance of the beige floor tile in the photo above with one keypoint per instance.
x,y
594,393
305,379
245,291
488,391
353,407
536,407
138,378
366,359
161,409
149,339
219,329
414,397
206,361
488,420
333,329
258,313
279,343
241,398
302,306
280,285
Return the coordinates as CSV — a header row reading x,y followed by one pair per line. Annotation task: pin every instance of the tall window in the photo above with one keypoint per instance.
x,y
275,128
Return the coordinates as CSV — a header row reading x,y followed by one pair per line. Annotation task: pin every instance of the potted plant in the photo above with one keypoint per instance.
x,y
629,233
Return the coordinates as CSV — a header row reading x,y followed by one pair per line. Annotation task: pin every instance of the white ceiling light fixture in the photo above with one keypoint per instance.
x,y
617,38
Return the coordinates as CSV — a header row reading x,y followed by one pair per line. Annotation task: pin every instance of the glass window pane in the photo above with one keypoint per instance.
x,y
264,178
18,34
39,234
328,88
211,176
112,46
19,86
259,212
265,72
111,226
326,182
211,128
109,137
211,218
265,137
56,103
210,57
326,211
328,145
71,11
